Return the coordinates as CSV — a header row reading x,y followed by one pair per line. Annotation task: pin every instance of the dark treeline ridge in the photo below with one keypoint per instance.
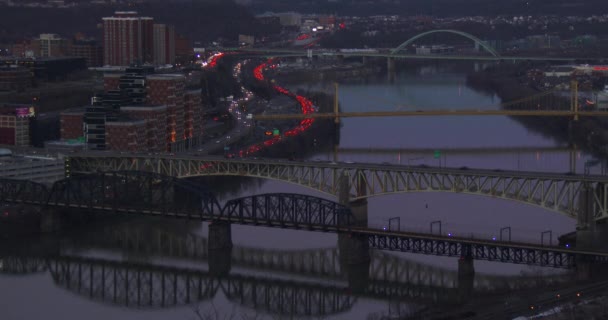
x,y
589,133
437,7
199,21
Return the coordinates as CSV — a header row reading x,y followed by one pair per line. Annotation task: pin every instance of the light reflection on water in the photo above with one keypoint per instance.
x,y
460,214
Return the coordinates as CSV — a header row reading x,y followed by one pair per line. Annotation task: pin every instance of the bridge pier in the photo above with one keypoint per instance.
x,y
220,235
52,220
358,276
590,235
357,207
220,262
390,69
466,276
390,65
365,60
354,251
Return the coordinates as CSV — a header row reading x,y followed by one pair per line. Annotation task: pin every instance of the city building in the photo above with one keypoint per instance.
x,y
127,39
139,110
15,78
49,69
164,44
90,50
183,49
15,124
71,122
290,19
51,45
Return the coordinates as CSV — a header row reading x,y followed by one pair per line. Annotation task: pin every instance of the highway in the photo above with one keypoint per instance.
x,y
422,113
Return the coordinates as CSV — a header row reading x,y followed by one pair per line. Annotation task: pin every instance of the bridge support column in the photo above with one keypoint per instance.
x,y
358,276
52,220
365,60
357,207
220,262
220,236
590,235
466,273
390,65
354,250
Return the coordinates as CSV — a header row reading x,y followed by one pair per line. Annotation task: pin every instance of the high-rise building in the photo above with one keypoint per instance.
x,y
127,39
51,45
164,44
89,50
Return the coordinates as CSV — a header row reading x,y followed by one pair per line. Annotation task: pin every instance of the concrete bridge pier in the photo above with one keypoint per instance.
x,y
219,249
52,220
357,207
390,65
466,276
590,234
220,235
358,276
365,60
354,252
220,262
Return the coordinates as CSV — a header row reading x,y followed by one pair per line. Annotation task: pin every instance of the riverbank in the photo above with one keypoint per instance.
x,y
507,81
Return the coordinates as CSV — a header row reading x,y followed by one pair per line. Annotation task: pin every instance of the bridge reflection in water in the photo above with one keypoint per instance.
x,y
156,271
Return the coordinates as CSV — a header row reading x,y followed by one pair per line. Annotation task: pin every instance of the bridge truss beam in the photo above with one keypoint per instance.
x,y
555,192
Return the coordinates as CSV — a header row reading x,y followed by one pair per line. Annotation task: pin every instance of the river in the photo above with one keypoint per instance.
x,y
55,292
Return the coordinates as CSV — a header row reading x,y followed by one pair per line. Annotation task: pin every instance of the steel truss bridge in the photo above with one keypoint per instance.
x,y
165,196
552,191
139,284
323,263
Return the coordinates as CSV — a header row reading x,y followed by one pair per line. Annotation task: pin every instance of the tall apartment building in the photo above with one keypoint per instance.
x,y
164,44
51,45
127,39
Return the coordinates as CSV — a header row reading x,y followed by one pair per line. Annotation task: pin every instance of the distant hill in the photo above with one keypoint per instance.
x,y
199,20
436,7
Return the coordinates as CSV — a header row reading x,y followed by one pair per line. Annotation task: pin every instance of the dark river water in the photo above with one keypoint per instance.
x,y
161,271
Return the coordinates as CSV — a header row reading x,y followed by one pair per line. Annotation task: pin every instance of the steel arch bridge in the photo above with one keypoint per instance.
x,y
460,33
150,193
556,192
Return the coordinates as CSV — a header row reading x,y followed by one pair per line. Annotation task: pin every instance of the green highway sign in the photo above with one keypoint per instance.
x,y
437,154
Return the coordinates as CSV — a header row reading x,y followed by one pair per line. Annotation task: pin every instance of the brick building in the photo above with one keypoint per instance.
x,y
127,135
156,122
71,123
169,90
164,44
171,114
15,124
127,39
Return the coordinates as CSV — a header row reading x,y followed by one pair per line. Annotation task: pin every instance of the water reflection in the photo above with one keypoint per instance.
x,y
163,264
